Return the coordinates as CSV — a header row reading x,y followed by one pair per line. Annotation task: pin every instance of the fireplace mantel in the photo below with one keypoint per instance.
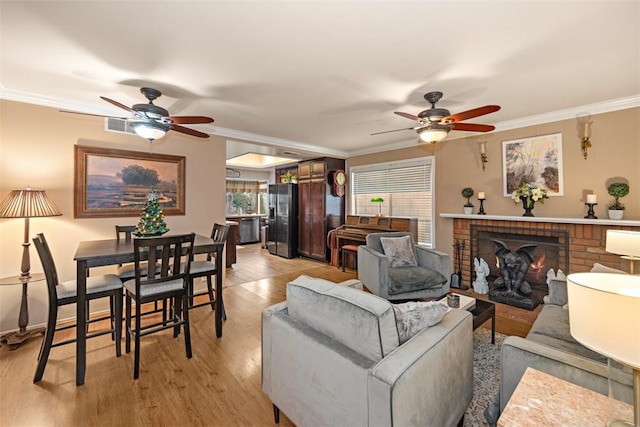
x,y
627,223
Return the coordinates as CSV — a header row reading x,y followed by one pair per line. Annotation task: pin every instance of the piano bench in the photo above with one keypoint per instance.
x,y
350,249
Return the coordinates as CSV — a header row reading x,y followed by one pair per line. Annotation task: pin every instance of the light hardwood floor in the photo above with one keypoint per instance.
x,y
219,386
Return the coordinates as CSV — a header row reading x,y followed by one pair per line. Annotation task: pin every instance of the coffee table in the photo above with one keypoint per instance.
x,y
480,310
484,311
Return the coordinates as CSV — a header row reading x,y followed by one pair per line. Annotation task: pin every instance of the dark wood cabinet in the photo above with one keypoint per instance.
x,y
319,210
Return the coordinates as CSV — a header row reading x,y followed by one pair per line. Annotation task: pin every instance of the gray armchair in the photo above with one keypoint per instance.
x,y
331,356
429,279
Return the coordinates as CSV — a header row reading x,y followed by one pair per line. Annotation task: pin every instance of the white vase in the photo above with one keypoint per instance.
x,y
615,214
468,210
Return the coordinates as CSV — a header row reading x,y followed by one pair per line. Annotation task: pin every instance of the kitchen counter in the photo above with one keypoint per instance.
x,y
235,217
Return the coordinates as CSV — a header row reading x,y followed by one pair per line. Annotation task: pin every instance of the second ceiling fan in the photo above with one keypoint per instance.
x,y
433,124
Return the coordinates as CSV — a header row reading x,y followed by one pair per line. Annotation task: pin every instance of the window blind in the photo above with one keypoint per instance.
x,y
406,188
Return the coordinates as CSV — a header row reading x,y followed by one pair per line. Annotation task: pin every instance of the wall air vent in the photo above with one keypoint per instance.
x,y
114,124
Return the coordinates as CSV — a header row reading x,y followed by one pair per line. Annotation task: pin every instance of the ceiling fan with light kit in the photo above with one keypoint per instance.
x,y
152,122
434,124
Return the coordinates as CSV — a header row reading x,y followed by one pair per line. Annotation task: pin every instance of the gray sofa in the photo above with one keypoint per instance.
x,y
550,348
331,356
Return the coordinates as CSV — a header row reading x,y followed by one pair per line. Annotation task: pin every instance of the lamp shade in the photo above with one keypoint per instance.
x,y
604,314
623,242
28,204
150,130
433,133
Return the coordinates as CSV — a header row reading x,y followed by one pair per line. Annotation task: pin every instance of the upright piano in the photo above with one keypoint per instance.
x,y
356,228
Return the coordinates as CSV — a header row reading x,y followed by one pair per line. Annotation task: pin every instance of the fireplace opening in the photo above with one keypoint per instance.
x,y
541,250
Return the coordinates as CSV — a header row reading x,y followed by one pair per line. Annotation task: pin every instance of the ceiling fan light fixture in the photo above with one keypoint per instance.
x,y
433,133
150,130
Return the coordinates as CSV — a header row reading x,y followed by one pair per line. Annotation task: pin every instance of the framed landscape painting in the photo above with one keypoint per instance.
x,y
536,160
115,183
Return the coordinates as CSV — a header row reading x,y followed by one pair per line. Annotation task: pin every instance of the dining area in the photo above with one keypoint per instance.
x,y
164,271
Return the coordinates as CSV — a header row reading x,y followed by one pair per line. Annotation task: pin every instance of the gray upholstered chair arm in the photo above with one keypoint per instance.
x,y
428,379
373,270
435,260
518,353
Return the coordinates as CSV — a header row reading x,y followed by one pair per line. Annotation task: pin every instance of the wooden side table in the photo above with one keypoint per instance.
x,y
544,400
14,339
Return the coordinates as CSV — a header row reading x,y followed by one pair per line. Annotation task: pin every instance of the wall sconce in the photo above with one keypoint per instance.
x,y
586,135
483,153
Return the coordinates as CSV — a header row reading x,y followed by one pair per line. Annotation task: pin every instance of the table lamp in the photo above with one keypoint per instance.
x,y
625,243
27,204
615,330
379,201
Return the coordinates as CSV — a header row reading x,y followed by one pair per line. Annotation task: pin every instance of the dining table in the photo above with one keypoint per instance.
x,y
97,253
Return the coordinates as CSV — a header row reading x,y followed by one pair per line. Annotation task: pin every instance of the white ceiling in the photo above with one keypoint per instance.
x,y
320,77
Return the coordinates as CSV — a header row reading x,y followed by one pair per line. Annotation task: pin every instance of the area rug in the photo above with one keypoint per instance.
x,y
486,375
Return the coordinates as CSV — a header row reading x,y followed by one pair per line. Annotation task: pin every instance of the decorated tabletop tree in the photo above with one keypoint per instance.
x,y
151,220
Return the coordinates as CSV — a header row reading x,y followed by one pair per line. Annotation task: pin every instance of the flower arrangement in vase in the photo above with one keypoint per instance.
x,y
617,190
467,192
528,194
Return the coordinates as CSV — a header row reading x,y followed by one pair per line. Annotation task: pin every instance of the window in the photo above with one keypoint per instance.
x,y
246,197
406,188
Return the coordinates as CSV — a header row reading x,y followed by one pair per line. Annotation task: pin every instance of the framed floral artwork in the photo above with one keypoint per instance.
x,y
536,160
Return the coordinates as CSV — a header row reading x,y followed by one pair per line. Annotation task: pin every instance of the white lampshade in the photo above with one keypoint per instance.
x,y
433,133
150,130
604,314
623,242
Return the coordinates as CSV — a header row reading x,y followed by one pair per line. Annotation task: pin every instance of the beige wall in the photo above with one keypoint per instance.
x,y
37,150
615,153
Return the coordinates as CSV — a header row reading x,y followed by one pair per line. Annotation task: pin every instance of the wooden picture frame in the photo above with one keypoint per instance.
x,y
115,183
537,160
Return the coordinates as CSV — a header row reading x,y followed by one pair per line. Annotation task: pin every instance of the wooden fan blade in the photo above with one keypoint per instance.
x,y
188,131
89,114
395,130
472,127
189,120
407,115
124,107
481,111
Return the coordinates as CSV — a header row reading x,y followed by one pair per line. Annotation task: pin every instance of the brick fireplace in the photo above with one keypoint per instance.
x,y
585,240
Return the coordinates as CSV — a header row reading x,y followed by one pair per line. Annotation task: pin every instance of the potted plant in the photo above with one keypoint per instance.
x,y
467,192
617,190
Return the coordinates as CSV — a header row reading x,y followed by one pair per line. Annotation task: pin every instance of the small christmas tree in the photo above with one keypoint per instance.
x,y
152,220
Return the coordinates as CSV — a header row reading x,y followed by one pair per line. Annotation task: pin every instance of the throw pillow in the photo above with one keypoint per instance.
x,y
413,317
399,251
599,268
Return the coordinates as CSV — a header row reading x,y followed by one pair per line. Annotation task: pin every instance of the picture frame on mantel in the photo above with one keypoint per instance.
x,y
116,183
536,160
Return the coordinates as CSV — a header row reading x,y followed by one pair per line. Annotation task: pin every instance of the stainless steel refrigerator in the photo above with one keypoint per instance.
x,y
283,220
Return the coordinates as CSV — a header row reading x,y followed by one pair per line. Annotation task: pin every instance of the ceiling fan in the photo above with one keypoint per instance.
x,y
433,124
153,122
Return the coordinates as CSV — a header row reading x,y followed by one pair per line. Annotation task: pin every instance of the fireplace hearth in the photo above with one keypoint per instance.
x,y
518,260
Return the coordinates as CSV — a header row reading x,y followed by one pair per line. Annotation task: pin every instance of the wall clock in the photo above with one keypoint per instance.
x,y
339,182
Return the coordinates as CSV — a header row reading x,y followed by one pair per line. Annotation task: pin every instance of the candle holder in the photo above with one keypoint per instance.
x,y
481,211
590,212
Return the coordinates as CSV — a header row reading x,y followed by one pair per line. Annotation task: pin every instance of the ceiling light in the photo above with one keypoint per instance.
x,y
150,130
433,133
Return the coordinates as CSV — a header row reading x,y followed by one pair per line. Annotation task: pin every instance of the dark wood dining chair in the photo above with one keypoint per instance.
x,y
171,283
60,294
207,268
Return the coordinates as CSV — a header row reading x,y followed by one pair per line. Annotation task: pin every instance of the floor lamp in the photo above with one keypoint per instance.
x,y
616,330
624,243
25,204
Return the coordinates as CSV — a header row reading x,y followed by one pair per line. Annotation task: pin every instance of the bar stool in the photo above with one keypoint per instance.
x,y
350,249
